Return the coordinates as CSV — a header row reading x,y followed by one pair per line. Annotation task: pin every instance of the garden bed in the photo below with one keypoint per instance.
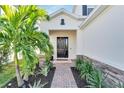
x,y
48,79
81,83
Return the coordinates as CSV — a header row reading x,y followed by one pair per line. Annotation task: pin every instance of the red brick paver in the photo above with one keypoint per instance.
x,y
63,77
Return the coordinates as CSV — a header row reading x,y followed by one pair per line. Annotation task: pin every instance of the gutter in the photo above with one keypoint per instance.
x,y
97,11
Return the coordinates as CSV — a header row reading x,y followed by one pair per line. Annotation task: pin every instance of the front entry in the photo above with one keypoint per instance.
x,y
62,47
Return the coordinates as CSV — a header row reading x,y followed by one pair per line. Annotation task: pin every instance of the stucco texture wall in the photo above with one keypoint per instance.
x,y
71,41
103,38
55,23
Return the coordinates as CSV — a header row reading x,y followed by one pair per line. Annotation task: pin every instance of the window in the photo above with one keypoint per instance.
x,y
62,22
84,10
89,10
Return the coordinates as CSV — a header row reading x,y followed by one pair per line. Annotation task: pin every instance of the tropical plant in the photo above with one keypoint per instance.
x,y
87,69
37,84
19,34
94,77
0,66
46,68
49,64
79,64
119,85
4,54
97,80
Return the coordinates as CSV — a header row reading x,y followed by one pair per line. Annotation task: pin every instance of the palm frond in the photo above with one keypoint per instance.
x,y
37,84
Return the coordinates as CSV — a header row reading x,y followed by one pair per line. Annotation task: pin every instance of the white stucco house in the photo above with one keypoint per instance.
x,y
63,29
98,34
95,32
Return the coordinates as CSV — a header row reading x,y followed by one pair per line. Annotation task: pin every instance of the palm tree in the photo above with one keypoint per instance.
x,y
19,34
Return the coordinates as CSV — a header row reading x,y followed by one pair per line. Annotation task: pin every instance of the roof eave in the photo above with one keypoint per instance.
x,y
67,12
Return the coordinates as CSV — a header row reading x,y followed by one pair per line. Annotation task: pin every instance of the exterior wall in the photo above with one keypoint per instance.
x,y
71,40
78,10
54,23
54,29
102,39
79,43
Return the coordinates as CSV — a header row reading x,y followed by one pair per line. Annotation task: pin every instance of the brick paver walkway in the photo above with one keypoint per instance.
x,y
63,77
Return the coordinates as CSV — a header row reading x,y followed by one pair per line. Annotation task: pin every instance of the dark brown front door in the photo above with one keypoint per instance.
x,y
62,47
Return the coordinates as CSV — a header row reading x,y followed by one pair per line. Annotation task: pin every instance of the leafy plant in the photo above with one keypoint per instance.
x,y
4,53
96,79
119,85
78,64
86,70
37,84
46,68
20,35
49,64
85,67
0,66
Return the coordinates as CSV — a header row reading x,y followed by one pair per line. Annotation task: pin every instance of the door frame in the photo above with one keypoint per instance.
x,y
57,47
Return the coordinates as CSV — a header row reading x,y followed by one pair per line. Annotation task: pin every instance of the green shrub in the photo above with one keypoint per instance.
x,y
37,84
85,67
78,64
94,77
97,80
86,70
0,66
119,85
46,68
49,64
3,57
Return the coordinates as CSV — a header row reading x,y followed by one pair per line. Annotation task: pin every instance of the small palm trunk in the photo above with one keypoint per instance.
x,y
19,78
18,74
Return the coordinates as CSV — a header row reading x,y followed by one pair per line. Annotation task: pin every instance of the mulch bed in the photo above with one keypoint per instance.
x,y
48,79
81,83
